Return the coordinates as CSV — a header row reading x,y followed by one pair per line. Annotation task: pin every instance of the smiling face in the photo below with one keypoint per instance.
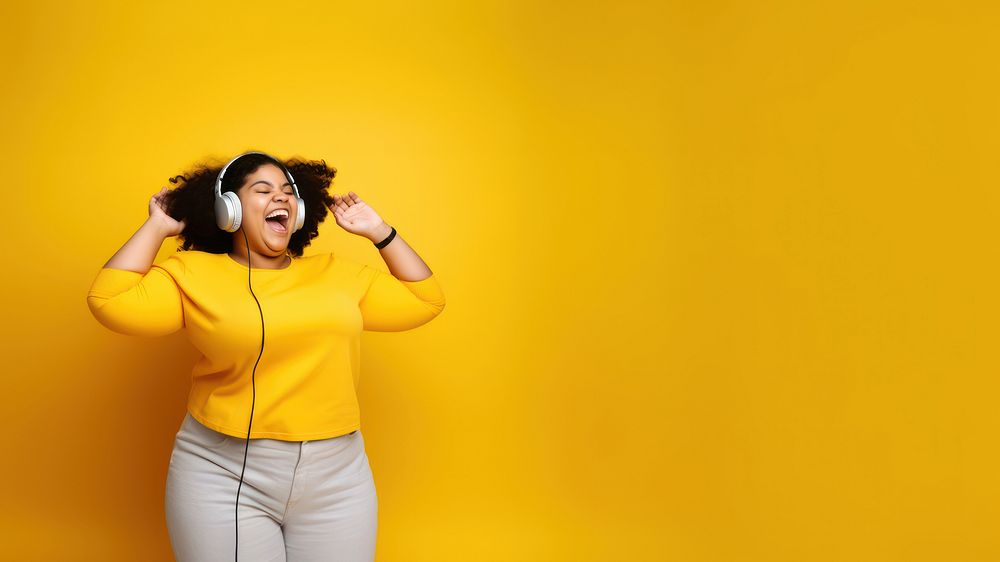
x,y
264,191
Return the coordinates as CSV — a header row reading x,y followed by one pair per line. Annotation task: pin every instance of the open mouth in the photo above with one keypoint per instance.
x,y
278,223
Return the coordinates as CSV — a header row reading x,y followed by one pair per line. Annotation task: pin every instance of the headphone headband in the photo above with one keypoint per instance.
x,y
218,181
229,210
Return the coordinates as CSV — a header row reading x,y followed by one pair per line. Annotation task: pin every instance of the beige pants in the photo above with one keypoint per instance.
x,y
299,501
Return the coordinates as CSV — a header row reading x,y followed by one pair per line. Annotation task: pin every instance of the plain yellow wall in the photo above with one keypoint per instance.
x,y
720,275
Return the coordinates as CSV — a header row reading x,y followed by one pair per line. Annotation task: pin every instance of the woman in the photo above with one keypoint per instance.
x,y
269,462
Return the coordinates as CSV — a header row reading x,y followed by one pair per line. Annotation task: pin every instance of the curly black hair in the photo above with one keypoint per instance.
x,y
194,200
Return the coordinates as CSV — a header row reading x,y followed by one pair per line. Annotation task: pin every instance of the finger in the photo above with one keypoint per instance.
x,y
354,196
344,203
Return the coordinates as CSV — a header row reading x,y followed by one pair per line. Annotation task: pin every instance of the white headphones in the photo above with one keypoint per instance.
x,y
229,211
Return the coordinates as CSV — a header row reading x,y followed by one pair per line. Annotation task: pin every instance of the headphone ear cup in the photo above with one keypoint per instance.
x,y
237,209
228,212
222,215
300,219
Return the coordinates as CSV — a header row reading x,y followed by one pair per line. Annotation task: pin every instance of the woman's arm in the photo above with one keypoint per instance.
x,y
390,304
411,295
138,253
132,296
403,261
408,298
357,217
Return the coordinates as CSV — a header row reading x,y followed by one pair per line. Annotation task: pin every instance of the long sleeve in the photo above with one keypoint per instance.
x,y
394,305
135,304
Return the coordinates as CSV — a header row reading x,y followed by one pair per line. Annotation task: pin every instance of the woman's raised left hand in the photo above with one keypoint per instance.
x,y
354,215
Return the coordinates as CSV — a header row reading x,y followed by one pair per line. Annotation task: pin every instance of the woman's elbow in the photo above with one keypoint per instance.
x,y
403,322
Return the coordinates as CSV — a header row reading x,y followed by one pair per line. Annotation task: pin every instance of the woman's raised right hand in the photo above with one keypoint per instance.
x,y
158,213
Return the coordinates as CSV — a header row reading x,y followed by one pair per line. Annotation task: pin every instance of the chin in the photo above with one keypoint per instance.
x,y
277,249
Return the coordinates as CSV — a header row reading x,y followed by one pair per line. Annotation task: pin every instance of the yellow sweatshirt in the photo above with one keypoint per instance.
x,y
314,311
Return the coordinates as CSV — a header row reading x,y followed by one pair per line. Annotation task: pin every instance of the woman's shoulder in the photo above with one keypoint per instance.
x,y
181,261
341,261
328,262
337,264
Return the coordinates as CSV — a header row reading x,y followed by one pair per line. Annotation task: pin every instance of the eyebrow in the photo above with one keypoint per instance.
x,y
268,183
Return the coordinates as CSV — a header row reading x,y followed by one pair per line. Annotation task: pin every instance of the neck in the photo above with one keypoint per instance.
x,y
260,261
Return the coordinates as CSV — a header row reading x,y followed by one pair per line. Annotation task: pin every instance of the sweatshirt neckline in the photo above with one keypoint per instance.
x,y
230,259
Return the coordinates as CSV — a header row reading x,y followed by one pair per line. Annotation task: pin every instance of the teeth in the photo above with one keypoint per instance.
x,y
277,212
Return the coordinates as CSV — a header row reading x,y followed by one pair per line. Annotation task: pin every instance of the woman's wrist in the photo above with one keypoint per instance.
x,y
380,233
161,227
153,224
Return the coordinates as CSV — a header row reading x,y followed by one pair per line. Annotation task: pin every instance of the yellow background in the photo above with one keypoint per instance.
x,y
720,275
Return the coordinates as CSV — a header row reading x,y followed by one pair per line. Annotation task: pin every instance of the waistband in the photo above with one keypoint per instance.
x,y
213,437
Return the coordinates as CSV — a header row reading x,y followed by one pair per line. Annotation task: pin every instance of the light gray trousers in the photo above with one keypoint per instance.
x,y
300,500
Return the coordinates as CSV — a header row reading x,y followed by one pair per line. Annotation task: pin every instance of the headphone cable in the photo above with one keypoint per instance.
x,y
253,396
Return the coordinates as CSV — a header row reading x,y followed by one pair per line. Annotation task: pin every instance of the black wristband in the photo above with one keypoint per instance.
x,y
388,239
